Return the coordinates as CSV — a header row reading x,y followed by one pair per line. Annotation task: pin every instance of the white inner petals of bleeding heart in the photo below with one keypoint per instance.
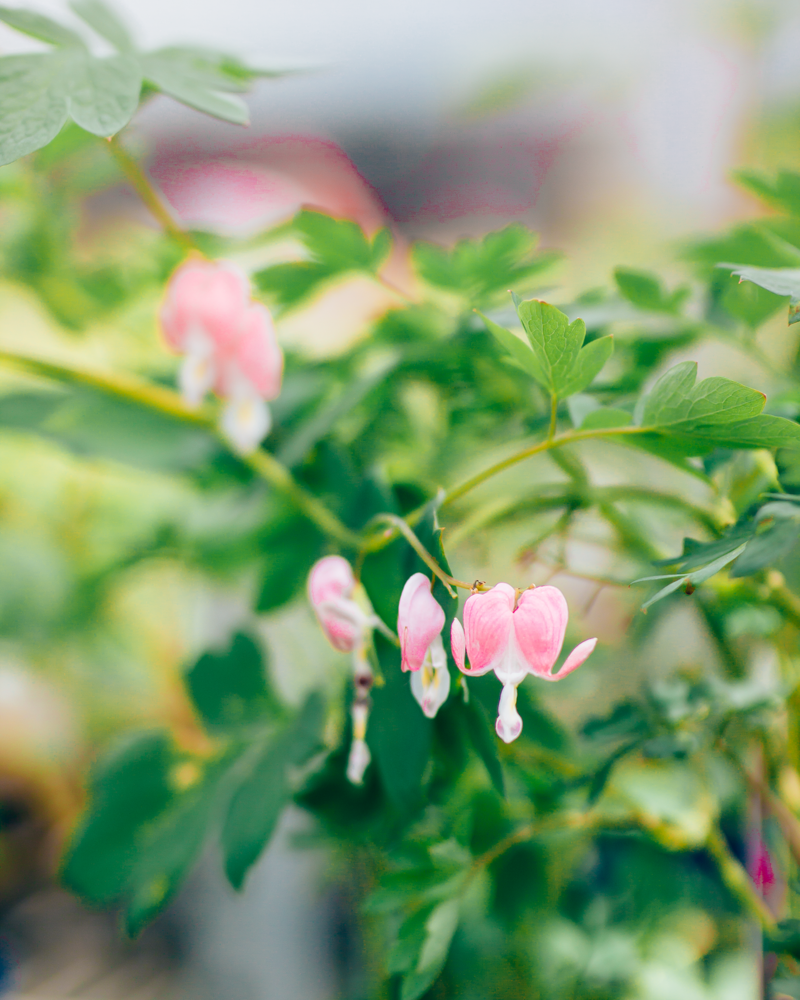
x,y
509,723
199,370
246,418
430,685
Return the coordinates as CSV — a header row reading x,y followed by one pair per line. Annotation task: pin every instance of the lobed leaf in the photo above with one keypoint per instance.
x,y
555,341
105,22
39,26
104,93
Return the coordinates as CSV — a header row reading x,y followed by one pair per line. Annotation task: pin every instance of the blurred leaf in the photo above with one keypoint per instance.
x,y
33,105
104,20
128,788
439,928
481,269
195,78
646,291
781,281
782,193
259,801
39,26
290,545
230,689
399,735
104,93
766,548
482,736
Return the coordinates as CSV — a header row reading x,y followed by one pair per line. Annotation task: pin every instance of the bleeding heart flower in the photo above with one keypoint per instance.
x,y
420,620
514,638
330,589
359,758
229,345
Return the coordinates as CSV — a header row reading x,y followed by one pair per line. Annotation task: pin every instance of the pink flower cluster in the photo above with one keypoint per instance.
x,y
513,633
229,346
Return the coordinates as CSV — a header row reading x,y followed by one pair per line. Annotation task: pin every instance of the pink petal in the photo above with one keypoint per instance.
x,y
341,622
211,296
540,622
580,653
258,355
420,619
458,645
487,626
330,577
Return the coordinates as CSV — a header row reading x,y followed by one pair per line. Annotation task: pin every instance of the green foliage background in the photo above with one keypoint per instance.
x,y
603,854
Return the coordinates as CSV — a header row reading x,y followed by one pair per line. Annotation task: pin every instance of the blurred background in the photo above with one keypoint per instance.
x,y
611,128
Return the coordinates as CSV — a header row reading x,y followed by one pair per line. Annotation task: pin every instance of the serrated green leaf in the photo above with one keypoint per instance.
x,y
105,22
184,75
340,244
33,103
259,801
555,341
591,359
676,402
39,26
104,93
230,689
518,350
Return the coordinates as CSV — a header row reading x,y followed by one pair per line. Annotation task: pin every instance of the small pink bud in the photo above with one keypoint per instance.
x,y
330,587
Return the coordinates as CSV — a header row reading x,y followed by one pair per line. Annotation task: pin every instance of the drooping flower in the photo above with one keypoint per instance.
x,y
229,346
331,585
420,620
348,624
515,636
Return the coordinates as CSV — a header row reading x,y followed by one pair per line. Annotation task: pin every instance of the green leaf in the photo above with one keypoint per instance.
x,y
399,735
693,579
782,193
194,79
440,926
104,93
605,417
479,270
555,341
590,362
257,804
483,738
105,22
779,280
646,291
169,848
39,26
340,244
33,103
128,789
288,284
676,402
518,350
381,247
768,547
230,689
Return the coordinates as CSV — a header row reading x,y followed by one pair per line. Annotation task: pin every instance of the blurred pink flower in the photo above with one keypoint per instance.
x,y
330,589
229,345
515,637
420,620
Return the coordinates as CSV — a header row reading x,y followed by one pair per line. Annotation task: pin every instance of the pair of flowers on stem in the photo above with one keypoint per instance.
x,y
509,632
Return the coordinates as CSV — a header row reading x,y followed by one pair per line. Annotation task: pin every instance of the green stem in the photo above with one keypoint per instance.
x,y
402,527
551,433
164,400
144,188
